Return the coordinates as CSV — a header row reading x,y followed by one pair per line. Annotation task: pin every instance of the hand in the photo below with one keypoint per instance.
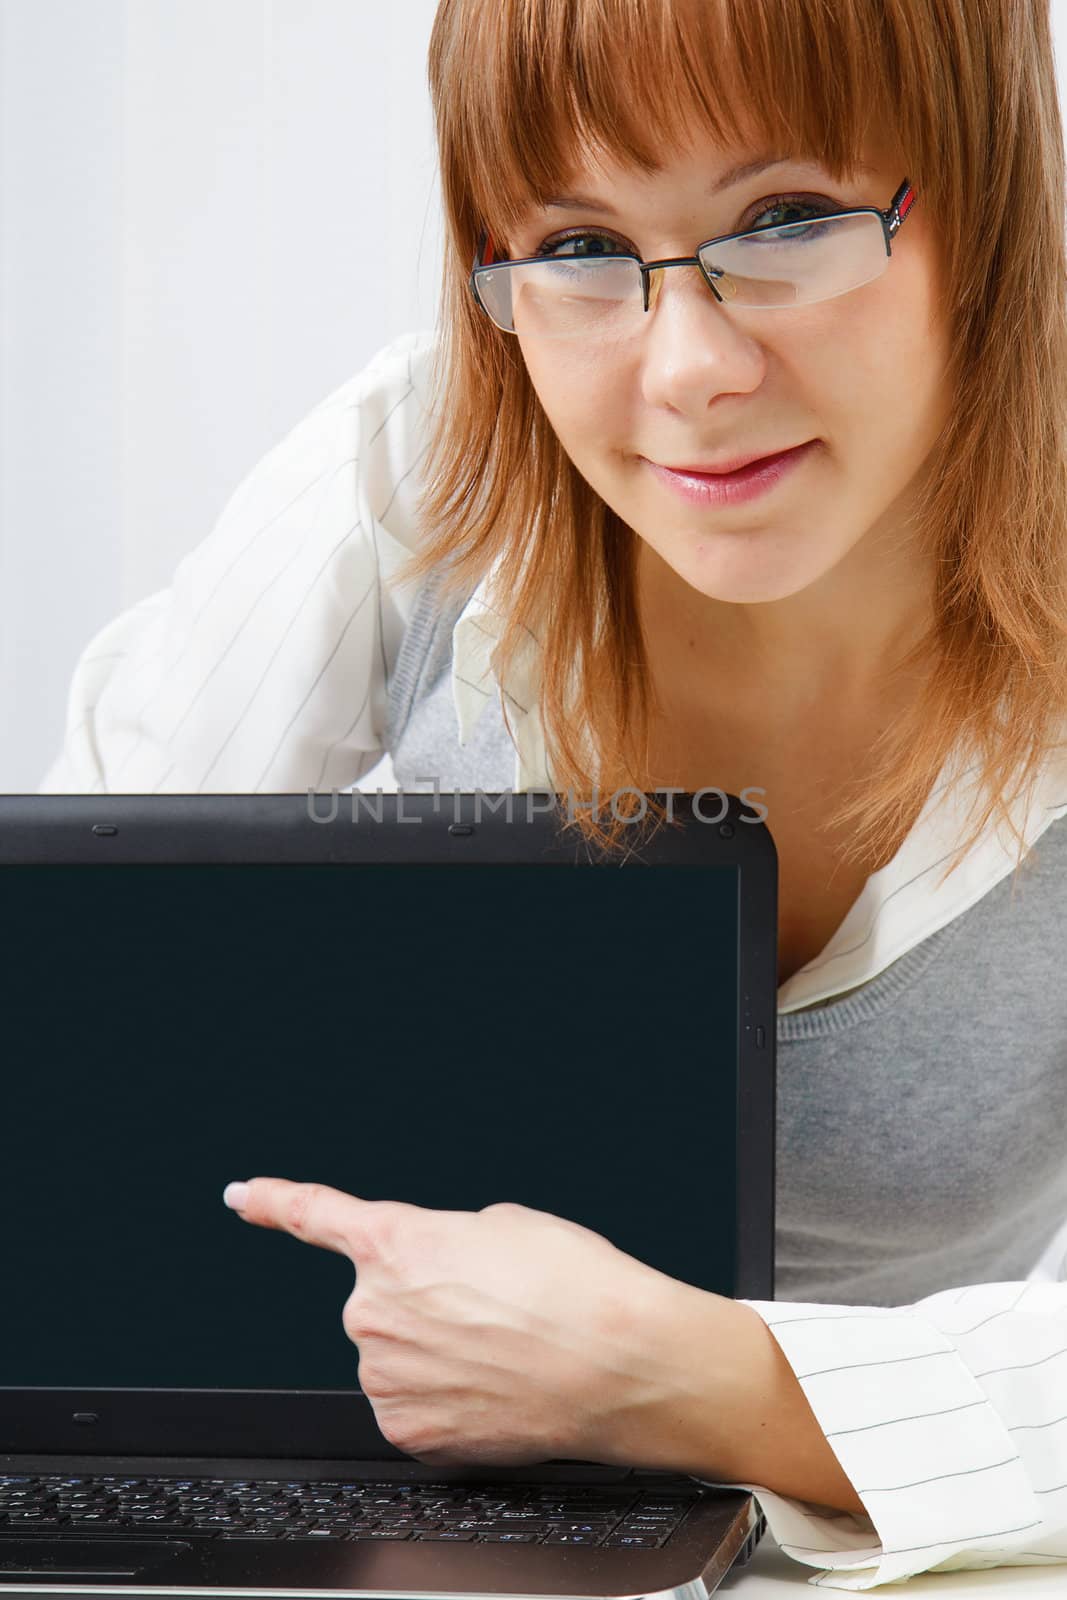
x,y
504,1336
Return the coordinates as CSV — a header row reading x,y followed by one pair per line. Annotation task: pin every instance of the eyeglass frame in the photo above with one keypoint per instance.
x,y
891,219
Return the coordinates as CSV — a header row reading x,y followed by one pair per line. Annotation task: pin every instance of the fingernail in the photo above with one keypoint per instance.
x,y
235,1195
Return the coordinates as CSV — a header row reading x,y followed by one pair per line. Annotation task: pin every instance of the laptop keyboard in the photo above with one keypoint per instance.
x,y
247,1508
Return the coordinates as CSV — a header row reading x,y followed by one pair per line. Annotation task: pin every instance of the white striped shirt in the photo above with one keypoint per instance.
x,y
264,667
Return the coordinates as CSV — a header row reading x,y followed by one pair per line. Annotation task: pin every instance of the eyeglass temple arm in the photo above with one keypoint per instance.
x,y
899,206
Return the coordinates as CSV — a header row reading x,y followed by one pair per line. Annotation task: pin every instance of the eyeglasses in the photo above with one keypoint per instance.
x,y
607,296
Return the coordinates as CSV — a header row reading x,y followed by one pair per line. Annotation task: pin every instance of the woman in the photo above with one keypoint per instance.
x,y
481,557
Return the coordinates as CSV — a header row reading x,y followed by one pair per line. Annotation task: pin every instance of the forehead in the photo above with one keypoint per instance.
x,y
704,167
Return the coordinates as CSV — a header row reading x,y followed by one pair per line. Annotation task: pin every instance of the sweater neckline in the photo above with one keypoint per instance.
x,y
872,998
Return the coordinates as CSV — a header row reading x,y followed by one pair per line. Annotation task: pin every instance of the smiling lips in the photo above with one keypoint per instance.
x,y
733,483
722,468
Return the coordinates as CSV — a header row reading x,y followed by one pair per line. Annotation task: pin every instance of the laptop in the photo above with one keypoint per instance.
x,y
204,987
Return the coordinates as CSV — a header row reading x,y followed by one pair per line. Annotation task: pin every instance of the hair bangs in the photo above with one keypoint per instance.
x,y
553,85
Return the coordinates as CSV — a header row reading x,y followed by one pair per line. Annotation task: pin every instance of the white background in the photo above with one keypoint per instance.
x,y
212,212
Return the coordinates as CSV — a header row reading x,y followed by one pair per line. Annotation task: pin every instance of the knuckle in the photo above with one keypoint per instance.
x,y
420,1437
376,1382
389,1425
504,1208
385,1232
354,1319
299,1205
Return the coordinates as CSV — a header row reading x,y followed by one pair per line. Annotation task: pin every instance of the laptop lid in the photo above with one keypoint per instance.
x,y
439,999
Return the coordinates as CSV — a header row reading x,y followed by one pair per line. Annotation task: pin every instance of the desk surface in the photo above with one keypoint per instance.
x,y
771,1575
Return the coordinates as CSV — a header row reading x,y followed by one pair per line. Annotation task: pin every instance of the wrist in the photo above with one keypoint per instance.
x,y
719,1400
700,1422
686,1371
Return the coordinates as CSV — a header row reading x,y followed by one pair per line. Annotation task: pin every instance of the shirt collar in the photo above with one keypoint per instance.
x,y
900,905
906,901
477,630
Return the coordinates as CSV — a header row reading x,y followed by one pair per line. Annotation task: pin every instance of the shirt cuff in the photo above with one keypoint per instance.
x,y
929,1456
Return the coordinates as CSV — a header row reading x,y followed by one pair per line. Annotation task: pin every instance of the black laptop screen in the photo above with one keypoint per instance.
x,y
445,1035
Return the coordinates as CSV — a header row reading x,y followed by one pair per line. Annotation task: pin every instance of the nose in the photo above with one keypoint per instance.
x,y
716,286
693,343
721,286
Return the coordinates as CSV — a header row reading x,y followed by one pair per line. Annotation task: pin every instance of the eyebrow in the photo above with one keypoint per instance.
x,y
736,174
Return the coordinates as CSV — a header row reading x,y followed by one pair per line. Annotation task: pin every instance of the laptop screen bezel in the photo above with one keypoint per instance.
x,y
401,828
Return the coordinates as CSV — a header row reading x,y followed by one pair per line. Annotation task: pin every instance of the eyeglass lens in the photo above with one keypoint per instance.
x,y
796,264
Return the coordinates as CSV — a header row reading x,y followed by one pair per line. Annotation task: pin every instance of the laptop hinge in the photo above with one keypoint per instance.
x,y
261,1467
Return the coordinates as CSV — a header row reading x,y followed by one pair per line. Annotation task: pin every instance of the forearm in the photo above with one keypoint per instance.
x,y
732,1409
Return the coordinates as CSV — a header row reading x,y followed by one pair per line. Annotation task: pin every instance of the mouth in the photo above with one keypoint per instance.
x,y
726,469
734,482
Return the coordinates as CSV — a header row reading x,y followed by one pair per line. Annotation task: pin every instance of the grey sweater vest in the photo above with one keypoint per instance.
x,y
921,1118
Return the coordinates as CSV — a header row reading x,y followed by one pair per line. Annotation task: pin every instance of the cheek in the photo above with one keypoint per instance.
x,y
585,403
874,377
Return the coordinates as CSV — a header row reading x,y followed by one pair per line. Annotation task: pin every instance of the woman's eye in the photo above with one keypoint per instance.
x,y
785,208
584,244
777,212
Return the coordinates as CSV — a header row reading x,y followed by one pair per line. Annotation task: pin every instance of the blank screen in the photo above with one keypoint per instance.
x,y
446,1035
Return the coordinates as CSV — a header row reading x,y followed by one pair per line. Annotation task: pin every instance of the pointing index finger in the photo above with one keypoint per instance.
x,y
312,1212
